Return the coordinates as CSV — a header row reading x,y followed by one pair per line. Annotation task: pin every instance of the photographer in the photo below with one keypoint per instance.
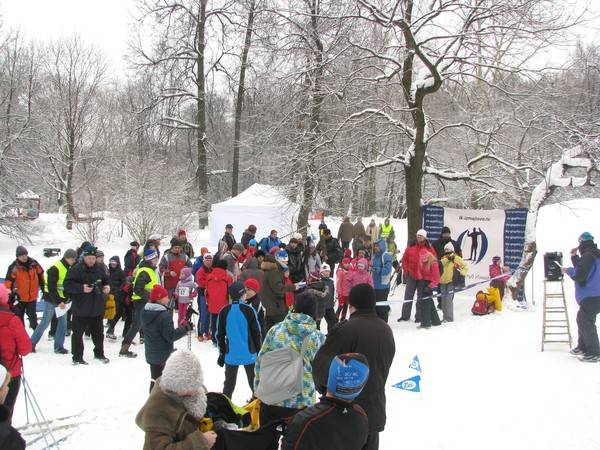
x,y
159,332
87,284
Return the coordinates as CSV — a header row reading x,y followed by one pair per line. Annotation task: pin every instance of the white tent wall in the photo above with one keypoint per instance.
x,y
260,205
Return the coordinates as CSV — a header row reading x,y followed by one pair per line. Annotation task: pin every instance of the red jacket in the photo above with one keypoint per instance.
x,y
428,267
411,259
217,285
289,294
14,341
172,263
201,276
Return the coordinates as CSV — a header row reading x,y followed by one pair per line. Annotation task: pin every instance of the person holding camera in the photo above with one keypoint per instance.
x,y
159,332
87,284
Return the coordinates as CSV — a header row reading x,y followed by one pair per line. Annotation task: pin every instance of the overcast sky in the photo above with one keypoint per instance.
x,y
106,23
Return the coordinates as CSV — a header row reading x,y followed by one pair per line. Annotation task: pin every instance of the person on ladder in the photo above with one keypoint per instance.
x,y
586,275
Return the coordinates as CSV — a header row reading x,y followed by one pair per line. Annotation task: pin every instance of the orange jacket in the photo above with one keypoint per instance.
x,y
25,279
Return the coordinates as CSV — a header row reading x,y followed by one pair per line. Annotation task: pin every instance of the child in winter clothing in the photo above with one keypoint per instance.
x,y
116,280
201,277
238,337
342,289
328,300
159,332
428,277
185,293
217,284
359,276
495,271
289,292
450,262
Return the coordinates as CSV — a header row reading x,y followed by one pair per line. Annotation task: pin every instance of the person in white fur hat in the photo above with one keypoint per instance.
x,y
173,411
10,439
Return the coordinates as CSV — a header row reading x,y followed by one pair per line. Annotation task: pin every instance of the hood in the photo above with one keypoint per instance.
x,y
299,324
151,312
589,246
252,263
362,261
381,244
269,263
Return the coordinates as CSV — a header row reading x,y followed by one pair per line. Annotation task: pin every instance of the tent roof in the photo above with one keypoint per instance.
x,y
28,194
258,195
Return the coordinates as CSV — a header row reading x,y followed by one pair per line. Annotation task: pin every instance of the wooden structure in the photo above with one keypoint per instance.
x,y
555,326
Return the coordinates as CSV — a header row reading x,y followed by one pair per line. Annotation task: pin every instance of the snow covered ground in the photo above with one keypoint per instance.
x,y
485,381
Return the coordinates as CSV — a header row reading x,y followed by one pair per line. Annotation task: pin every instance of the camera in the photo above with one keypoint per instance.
x,y
553,266
96,287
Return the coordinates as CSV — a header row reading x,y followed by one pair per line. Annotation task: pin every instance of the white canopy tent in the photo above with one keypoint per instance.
x,y
261,205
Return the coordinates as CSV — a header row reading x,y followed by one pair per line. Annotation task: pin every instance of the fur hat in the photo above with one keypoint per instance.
x,y
362,297
183,380
252,283
348,374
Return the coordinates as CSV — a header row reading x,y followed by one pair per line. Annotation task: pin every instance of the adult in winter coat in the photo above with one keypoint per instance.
x,y
367,334
251,270
450,262
201,278
382,270
386,231
228,238
272,292
171,416
159,332
291,333
132,258
445,238
54,297
14,344
411,260
117,278
231,258
345,232
295,251
171,264
143,282
358,234
10,439
336,422
586,275
373,231
87,284
330,250
24,278
312,260
238,338
248,234
186,246
270,242
217,296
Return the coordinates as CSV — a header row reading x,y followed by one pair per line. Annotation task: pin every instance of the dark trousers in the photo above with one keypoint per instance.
x,y
22,308
429,314
409,293
270,321
330,318
96,327
345,244
383,311
231,378
372,442
586,326
136,323
271,413
213,327
156,371
14,386
124,311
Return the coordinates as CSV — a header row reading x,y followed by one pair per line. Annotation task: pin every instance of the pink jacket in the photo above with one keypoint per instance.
x,y
358,276
340,281
426,270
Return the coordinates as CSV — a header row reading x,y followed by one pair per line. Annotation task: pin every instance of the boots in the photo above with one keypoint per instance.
x,y
125,351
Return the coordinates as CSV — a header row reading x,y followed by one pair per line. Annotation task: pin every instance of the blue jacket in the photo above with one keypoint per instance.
x,y
197,264
382,267
266,244
586,272
159,333
238,334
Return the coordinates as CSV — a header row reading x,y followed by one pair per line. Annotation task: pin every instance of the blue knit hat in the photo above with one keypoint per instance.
x,y
150,254
586,236
282,255
348,374
252,242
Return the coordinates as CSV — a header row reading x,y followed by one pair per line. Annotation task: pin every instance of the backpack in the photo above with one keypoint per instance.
x,y
482,307
281,374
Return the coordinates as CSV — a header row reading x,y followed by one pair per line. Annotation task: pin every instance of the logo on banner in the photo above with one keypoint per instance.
x,y
415,364
479,244
410,384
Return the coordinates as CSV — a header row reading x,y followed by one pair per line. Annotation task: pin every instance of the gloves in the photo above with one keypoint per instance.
x,y
221,360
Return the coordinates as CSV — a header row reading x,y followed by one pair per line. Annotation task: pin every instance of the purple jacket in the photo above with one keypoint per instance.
x,y
185,289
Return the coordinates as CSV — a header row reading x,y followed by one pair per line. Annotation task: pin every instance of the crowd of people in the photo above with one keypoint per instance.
x,y
260,301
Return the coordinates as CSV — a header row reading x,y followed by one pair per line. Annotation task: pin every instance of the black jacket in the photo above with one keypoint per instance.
x,y
131,261
589,253
52,283
242,338
116,279
439,247
272,290
10,439
363,333
229,239
90,304
159,333
247,237
331,248
296,264
331,424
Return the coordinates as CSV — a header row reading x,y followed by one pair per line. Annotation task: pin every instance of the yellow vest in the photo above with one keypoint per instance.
x,y
62,274
386,230
153,280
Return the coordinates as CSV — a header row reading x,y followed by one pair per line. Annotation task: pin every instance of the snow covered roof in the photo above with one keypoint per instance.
x,y
257,195
28,194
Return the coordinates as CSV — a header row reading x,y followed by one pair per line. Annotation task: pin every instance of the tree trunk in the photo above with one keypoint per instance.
x,y
201,175
70,174
240,102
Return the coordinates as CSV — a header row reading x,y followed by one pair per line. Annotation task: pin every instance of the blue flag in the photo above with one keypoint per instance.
x,y
410,384
415,364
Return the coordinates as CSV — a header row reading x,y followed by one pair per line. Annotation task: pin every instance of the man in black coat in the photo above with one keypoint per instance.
x,y
336,422
295,252
132,257
330,250
87,284
367,334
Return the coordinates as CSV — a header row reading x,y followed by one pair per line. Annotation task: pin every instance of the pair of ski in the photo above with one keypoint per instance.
x,y
35,432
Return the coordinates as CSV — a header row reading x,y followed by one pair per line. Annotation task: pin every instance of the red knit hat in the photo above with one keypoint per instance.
x,y
347,253
158,292
252,283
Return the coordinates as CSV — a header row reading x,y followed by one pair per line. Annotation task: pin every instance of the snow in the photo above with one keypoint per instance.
x,y
484,381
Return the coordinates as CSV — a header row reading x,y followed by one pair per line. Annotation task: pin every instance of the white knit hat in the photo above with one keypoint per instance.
x,y
422,233
449,248
182,373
